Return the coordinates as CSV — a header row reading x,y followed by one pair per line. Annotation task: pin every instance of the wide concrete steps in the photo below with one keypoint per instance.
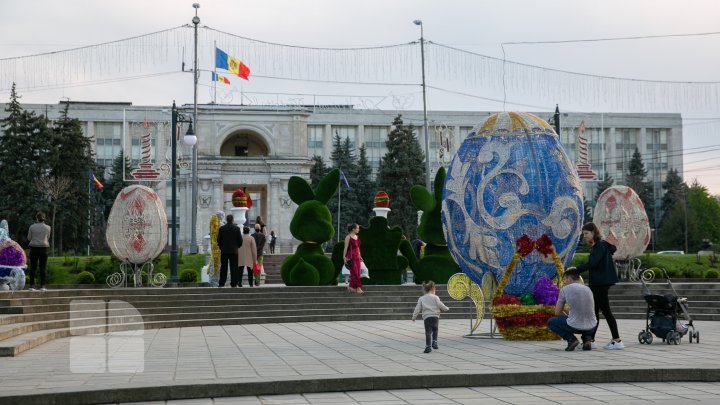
x,y
28,319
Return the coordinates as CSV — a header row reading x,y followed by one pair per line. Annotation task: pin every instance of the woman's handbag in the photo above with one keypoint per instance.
x,y
256,268
364,272
348,263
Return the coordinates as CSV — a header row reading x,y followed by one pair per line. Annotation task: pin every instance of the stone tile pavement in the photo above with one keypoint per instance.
x,y
359,360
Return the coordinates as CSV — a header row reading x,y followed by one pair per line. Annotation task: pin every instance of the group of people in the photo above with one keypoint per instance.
x,y
241,252
578,306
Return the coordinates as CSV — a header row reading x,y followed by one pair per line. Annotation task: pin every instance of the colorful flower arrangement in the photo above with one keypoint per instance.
x,y
525,317
11,254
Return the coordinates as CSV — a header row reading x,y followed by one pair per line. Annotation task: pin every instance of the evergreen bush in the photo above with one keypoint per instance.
x,y
188,276
85,277
712,273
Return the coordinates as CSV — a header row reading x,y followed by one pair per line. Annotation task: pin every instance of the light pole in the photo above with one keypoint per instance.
x,y
193,230
189,139
425,127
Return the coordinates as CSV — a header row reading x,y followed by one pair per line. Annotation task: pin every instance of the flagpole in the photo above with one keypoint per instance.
x,y
89,208
215,72
339,192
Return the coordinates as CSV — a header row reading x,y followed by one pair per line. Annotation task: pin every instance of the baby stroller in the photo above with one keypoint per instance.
x,y
663,317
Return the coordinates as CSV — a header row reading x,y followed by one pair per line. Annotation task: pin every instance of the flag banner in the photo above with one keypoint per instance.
x,y
219,78
231,64
344,179
94,179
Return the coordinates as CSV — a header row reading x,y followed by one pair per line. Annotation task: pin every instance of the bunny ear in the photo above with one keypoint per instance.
x,y
422,198
328,186
439,183
299,190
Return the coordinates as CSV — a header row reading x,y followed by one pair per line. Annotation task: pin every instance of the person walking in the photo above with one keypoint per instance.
x,y
39,236
580,317
229,240
247,256
603,275
259,237
430,306
273,240
351,253
259,221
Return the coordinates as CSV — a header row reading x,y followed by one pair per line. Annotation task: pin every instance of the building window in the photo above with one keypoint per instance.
x,y
375,144
108,142
315,136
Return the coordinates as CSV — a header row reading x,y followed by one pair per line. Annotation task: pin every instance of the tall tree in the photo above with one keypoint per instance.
x,y
343,157
26,151
73,160
636,180
402,167
603,185
317,171
675,190
706,211
365,189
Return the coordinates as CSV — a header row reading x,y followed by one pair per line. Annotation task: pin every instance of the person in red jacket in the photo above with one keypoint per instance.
x,y
602,276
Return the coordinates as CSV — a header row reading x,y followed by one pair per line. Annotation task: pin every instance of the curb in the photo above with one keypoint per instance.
x,y
342,384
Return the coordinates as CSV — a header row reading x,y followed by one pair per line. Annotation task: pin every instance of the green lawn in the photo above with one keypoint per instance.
x,y
678,266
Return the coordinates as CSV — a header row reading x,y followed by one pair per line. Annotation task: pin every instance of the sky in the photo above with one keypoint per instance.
x,y
29,27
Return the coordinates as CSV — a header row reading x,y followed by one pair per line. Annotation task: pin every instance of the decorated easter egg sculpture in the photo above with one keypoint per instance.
x,y
510,177
381,200
620,215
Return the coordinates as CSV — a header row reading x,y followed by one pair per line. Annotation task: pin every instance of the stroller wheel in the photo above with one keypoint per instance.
x,y
669,337
690,337
697,337
676,338
648,337
641,337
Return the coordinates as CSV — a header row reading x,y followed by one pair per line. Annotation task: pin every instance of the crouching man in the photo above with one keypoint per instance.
x,y
580,317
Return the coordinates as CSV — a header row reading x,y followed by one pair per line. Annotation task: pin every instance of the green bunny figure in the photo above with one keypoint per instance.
x,y
379,247
437,264
312,224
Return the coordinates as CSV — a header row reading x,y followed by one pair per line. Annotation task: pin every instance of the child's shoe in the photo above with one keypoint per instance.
x,y
615,345
434,345
427,349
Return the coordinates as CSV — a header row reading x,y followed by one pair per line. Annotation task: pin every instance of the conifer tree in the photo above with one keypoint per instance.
x,y
73,160
317,171
636,180
603,185
25,153
402,167
366,188
343,158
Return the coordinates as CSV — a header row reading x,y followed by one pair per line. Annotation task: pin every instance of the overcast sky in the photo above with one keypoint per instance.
x,y
35,26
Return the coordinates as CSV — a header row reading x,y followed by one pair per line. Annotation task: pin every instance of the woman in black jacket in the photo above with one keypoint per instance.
x,y
601,266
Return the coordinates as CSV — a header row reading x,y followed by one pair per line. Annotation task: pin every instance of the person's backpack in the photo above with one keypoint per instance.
x,y
259,242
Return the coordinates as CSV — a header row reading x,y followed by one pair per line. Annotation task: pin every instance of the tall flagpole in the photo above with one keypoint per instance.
x,y
339,191
215,75
89,208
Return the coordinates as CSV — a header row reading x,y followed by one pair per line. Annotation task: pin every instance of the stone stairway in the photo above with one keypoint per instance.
x,y
272,263
28,319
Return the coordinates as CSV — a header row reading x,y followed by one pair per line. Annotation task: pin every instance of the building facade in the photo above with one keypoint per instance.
x,y
259,148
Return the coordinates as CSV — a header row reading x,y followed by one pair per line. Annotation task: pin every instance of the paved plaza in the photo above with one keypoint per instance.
x,y
378,362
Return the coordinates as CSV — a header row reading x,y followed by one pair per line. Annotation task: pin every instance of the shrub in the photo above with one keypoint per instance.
x,y
188,276
659,275
712,273
85,277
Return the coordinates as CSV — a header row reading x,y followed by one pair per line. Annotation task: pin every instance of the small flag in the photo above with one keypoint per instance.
x,y
218,78
231,64
344,179
94,179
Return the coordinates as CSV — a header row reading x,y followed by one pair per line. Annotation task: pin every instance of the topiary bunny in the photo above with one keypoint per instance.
x,y
437,264
312,224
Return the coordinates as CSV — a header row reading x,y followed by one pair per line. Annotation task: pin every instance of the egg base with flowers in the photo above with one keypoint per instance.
x,y
525,317
12,261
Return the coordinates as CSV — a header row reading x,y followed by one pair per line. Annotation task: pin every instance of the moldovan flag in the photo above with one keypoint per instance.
x,y
218,78
94,179
344,179
231,64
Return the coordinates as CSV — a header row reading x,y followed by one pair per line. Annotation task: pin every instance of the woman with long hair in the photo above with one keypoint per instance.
x,y
603,275
351,254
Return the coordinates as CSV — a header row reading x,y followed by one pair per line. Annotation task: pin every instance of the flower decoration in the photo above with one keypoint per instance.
x,y
545,292
11,254
506,299
239,199
527,299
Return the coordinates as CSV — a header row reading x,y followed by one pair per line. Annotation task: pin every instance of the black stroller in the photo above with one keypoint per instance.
x,y
663,317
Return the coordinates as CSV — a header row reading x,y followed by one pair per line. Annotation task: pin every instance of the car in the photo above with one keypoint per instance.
x,y
671,252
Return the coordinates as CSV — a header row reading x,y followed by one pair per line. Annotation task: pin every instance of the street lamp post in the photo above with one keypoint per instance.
x,y
196,73
189,139
425,126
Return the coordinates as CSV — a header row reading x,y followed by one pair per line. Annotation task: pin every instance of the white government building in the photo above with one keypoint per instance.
x,y
261,147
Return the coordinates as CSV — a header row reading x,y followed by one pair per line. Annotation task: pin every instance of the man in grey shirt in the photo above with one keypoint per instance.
x,y
580,317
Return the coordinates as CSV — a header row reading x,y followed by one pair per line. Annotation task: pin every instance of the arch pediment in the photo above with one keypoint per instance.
x,y
246,140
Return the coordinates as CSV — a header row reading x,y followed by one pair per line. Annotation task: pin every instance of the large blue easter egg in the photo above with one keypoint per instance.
x,y
511,176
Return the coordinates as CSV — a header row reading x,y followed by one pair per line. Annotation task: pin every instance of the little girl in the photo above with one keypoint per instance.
x,y
430,306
